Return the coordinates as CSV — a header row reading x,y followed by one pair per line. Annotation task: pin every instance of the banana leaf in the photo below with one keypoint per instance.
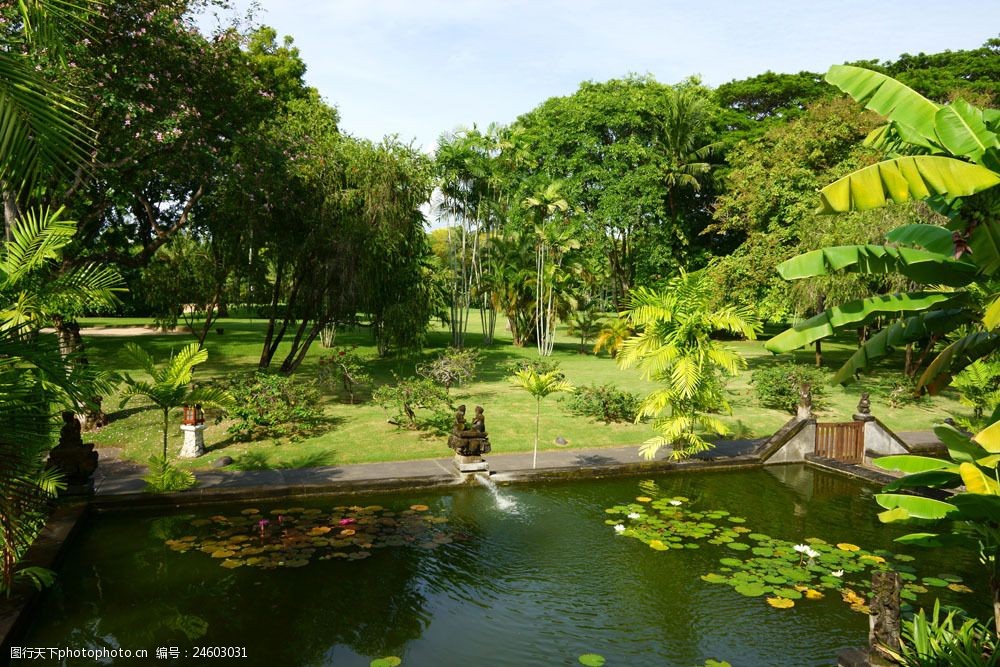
x,y
989,438
922,266
976,506
853,313
909,330
984,245
955,357
915,507
960,128
936,540
889,97
903,179
912,463
960,447
976,481
934,479
931,238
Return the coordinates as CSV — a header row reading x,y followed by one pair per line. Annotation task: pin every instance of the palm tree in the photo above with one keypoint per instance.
x,y
169,387
612,336
673,345
540,385
685,163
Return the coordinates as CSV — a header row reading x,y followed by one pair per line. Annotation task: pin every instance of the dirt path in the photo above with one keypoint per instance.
x,y
125,331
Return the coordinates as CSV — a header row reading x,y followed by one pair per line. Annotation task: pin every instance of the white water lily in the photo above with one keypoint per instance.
x,y
801,548
675,503
837,573
634,515
812,553
619,528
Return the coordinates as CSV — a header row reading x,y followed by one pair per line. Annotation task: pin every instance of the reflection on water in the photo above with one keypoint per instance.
x,y
538,586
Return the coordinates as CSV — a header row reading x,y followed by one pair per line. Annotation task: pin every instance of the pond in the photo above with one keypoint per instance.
x,y
537,576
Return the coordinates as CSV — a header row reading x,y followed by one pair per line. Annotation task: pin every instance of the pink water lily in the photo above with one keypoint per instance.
x,y
346,522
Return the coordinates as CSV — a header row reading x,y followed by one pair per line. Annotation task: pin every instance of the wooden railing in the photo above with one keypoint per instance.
x,y
841,442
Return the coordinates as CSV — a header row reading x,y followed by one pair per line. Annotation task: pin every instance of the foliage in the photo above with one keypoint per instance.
x,y
673,345
979,386
346,367
605,402
950,639
947,155
165,477
777,385
268,405
895,387
969,517
169,386
612,336
453,366
539,385
586,325
540,365
406,396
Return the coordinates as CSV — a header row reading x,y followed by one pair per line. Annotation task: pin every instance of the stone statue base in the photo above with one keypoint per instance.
x,y
471,464
194,441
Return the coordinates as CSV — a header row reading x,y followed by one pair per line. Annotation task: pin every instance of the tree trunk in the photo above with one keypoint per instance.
x,y
91,415
166,425
995,587
820,307
538,416
11,213
908,361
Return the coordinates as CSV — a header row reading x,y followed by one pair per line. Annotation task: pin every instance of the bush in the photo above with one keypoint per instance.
x,y
272,406
777,385
605,402
949,639
345,368
453,366
405,397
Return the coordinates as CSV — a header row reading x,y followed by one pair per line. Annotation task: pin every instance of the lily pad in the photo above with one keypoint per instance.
x,y
389,661
780,603
751,590
592,660
934,581
714,578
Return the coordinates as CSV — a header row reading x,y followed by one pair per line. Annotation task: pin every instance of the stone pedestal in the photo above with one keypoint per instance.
x,y
471,463
194,441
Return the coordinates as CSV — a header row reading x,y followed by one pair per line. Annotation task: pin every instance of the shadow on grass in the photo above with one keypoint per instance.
x,y
258,460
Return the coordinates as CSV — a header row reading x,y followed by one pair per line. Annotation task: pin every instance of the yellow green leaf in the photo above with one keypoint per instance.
x,y
976,481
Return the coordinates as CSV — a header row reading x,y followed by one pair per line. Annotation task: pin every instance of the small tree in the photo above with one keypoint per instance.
x,y
347,368
169,387
406,396
453,366
586,324
540,385
612,336
673,345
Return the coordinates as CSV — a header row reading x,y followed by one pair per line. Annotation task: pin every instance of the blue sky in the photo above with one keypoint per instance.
x,y
417,68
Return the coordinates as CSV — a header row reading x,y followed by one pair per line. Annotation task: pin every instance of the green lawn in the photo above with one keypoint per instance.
x,y
360,433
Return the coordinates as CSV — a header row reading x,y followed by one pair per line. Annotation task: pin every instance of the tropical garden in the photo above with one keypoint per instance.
x,y
637,263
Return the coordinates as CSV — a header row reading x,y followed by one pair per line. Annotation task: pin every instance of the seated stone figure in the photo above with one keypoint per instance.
x,y
469,441
72,456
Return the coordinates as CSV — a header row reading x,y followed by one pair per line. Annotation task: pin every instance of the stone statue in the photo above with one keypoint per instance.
x,y
469,441
76,460
805,402
864,413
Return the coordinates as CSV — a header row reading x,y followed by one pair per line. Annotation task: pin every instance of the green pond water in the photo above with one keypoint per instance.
x,y
539,576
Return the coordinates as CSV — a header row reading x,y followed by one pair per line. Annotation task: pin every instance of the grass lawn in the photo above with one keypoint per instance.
x,y
360,433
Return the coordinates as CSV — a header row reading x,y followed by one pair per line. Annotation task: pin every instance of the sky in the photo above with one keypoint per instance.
x,y
417,68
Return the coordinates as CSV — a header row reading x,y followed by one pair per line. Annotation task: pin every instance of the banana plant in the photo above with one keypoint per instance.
x,y
949,156
970,517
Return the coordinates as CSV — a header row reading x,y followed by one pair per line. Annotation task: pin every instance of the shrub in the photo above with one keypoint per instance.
x,y
605,402
405,397
453,366
950,639
893,387
345,368
272,406
777,385
164,477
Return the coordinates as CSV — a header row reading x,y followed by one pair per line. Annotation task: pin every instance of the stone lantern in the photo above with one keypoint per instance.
x,y
194,432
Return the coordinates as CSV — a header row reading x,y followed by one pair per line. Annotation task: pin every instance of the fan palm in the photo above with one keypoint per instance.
x,y
539,385
169,387
673,345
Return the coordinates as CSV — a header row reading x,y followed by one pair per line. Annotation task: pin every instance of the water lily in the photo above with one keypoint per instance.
x,y
675,503
619,528
812,553
345,522
634,515
801,548
837,573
